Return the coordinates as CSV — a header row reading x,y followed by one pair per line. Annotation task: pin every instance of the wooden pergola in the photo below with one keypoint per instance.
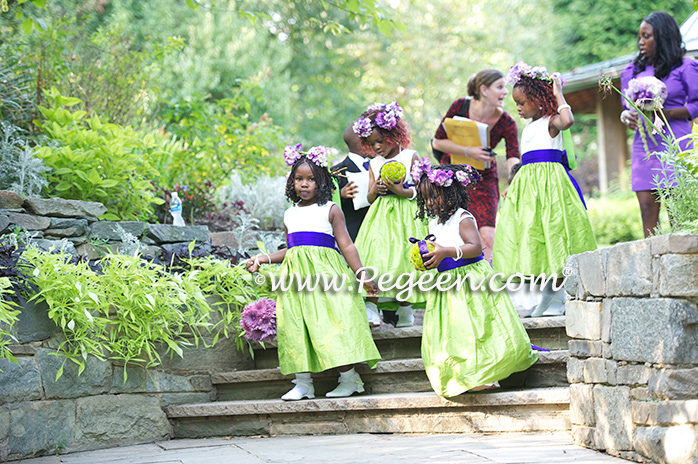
x,y
583,93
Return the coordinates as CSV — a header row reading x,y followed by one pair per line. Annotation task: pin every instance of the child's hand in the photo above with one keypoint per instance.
x,y
348,190
380,188
434,258
557,86
371,288
252,264
504,193
395,187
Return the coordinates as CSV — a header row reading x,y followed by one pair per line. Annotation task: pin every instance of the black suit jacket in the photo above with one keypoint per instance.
x,y
354,217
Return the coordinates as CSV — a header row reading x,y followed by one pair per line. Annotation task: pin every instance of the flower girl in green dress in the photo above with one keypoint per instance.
x,y
318,329
470,338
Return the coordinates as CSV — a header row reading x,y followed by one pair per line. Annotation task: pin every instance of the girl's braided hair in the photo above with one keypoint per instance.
x,y
323,180
449,199
539,91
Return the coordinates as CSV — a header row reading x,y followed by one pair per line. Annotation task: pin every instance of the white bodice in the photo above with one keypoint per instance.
x,y
448,234
536,136
405,157
313,218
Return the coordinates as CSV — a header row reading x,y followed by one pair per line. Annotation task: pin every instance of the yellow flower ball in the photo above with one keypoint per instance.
x,y
416,257
393,172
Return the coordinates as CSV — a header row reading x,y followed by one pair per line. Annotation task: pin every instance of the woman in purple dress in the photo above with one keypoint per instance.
x,y
661,55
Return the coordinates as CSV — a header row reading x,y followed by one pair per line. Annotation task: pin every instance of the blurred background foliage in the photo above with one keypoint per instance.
x,y
221,88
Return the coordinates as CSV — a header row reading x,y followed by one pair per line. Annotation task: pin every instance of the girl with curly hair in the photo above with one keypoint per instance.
x,y
470,338
382,240
317,329
543,217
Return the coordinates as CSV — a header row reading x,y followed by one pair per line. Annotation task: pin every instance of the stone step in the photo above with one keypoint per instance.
x,y
405,343
390,376
533,410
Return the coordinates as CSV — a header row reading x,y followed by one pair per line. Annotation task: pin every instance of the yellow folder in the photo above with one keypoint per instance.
x,y
468,133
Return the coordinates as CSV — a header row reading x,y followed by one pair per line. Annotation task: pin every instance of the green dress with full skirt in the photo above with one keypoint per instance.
x,y
317,329
472,338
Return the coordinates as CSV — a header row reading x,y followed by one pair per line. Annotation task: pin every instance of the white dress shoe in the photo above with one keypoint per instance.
x,y
304,389
374,317
349,383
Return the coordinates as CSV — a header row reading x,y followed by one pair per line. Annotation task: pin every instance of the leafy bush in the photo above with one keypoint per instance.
x,y
8,317
17,92
20,170
615,217
681,201
221,137
264,198
100,162
124,308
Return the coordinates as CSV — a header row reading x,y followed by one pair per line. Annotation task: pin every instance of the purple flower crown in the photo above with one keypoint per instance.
x,y
317,155
534,72
443,177
386,118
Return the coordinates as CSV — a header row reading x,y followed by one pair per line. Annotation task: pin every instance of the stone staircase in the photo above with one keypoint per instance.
x,y
398,397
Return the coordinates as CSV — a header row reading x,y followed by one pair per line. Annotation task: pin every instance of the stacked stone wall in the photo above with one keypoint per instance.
x,y
633,366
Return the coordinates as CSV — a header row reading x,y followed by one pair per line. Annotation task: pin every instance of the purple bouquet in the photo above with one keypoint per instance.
x,y
647,92
258,320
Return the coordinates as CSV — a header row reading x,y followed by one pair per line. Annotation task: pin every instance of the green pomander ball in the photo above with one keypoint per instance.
x,y
416,257
393,172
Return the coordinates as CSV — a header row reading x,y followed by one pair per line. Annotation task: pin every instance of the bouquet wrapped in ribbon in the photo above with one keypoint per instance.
x,y
258,320
419,249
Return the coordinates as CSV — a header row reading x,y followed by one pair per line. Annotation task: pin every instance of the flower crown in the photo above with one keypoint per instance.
x,y
534,72
317,155
386,118
443,177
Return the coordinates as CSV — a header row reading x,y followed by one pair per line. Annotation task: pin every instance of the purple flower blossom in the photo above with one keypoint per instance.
x,y
647,92
319,155
258,319
441,177
362,127
395,109
375,107
419,168
292,153
535,72
386,120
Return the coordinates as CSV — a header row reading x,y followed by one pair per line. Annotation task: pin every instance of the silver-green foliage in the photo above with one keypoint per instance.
x,y
265,198
20,169
681,200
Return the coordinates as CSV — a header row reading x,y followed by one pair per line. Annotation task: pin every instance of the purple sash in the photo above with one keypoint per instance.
x,y
447,264
310,239
552,156
406,185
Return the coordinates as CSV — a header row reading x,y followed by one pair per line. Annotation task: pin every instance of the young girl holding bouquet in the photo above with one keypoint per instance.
x,y
470,338
661,55
318,330
383,237
543,217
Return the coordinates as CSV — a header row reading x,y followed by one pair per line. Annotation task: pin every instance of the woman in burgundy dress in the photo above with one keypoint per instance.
x,y
488,90
661,55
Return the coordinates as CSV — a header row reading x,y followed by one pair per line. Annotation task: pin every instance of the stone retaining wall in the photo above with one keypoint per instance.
x,y
633,364
40,415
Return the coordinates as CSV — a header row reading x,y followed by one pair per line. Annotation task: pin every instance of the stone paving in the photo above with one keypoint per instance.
x,y
539,448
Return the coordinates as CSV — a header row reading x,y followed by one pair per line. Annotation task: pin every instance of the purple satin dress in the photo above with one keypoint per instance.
x,y
682,88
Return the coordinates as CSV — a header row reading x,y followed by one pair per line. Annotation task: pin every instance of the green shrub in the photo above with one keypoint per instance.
x,y
681,200
615,217
100,162
8,317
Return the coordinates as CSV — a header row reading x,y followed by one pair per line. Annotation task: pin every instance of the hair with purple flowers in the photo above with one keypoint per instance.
x,y
446,185
387,120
